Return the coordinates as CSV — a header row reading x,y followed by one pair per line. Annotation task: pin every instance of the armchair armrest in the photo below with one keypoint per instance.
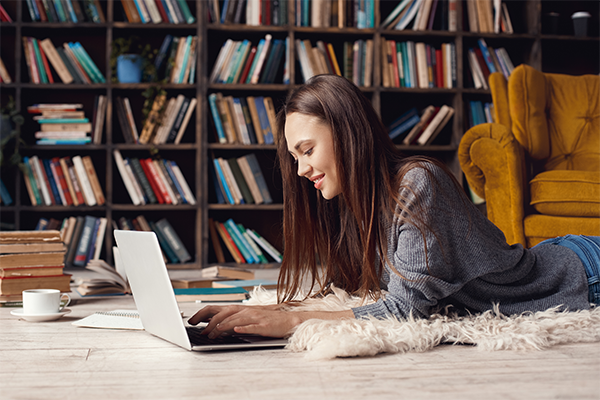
x,y
492,160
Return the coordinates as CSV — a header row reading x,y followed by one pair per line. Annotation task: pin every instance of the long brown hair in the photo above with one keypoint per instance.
x,y
343,235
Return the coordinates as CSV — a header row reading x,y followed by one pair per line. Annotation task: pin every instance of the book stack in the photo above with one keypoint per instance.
x,y
244,245
166,123
71,62
484,60
173,248
82,235
62,123
4,16
67,181
4,75
251,12
158,11
418,65
239,180
31,260
242,62
421,15
66,11
334,13
487,16
246,120
151,181
414,129
5,197
480,113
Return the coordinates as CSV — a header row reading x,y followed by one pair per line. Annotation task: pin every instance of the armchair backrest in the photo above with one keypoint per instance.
x,y
556,118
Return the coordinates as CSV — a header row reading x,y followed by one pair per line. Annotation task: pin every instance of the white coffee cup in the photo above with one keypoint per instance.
x,y
43,301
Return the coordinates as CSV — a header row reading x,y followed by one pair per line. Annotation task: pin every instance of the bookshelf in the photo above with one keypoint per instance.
x,y
532,42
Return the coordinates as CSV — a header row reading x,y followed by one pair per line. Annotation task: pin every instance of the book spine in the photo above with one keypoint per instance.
x,y
153,184
261,258
189,195
260,179
126,179
159,182
93,177
166,179
49,178
146,187
84,241
173,178
229,243
221,176
212,101
164,244
239,242
6,198
173,240
86,186
59,188
39,177
272,251
62,181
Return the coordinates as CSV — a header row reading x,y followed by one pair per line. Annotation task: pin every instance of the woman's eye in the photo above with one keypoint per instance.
x,y
308,152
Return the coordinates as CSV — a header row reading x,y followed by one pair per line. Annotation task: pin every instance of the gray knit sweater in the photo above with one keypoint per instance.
x,y
470,264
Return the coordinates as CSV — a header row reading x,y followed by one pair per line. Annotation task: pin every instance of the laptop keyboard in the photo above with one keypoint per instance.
x,y
197,338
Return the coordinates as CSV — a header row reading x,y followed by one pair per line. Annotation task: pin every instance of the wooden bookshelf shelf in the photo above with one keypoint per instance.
x,y
532,43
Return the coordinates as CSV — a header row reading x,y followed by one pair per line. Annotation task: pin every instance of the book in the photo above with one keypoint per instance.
x,y
219,271
210,294
259,177
84,181
39,259
246,284
173,239
435,126
16,285
84,242
268,247
30,271
93,178
31,247
193,283
106,280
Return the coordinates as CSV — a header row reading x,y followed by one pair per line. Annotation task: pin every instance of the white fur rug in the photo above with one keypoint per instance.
x,y
489,331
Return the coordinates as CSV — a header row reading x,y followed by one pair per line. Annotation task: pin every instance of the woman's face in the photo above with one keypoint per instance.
x,y
310,142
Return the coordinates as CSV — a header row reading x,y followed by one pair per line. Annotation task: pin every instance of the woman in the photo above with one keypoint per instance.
x,y
376,220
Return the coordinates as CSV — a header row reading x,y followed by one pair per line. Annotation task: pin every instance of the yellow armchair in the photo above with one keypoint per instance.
x,y
538,167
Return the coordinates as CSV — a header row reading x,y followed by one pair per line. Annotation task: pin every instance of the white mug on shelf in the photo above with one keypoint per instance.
x,y
43,301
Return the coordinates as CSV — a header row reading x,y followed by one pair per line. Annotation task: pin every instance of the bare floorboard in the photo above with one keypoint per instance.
x,y
56,360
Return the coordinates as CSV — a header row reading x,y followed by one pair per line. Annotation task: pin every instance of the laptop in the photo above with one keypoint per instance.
x,y
155,299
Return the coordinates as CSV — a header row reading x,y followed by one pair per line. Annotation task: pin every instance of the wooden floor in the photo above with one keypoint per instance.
x,y
56,360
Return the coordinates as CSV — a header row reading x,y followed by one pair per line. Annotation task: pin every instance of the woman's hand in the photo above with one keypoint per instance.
x,y
261,320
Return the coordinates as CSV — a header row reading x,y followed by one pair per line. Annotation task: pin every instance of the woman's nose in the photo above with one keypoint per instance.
x,y
303,168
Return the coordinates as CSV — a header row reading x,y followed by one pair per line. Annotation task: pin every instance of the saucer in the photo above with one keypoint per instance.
x,y
40,317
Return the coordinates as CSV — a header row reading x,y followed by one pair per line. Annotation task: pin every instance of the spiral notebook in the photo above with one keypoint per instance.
x,y
116,319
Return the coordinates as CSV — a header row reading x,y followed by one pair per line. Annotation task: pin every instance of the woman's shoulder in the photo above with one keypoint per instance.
x,y
425,172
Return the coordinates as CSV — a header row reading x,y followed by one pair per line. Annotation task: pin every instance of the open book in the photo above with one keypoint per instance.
x,y
117,319
111,280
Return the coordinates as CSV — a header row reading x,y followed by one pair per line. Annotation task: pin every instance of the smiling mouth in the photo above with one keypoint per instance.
x,y
318,181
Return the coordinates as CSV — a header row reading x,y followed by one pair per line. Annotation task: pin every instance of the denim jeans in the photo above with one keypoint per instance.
x,y
588,250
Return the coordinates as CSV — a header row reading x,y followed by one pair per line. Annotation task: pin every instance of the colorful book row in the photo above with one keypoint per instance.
x,y
487,16
158,11
246,120
151,181
244,245
176,59
164,126
174,250
83,237
421,15
335,13
67,181
418,65
484,60
66,11
357,65
250,12
242,62
239,181
412,128
71,62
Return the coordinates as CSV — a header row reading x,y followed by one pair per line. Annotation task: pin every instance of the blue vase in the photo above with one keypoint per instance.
x,y
129,68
